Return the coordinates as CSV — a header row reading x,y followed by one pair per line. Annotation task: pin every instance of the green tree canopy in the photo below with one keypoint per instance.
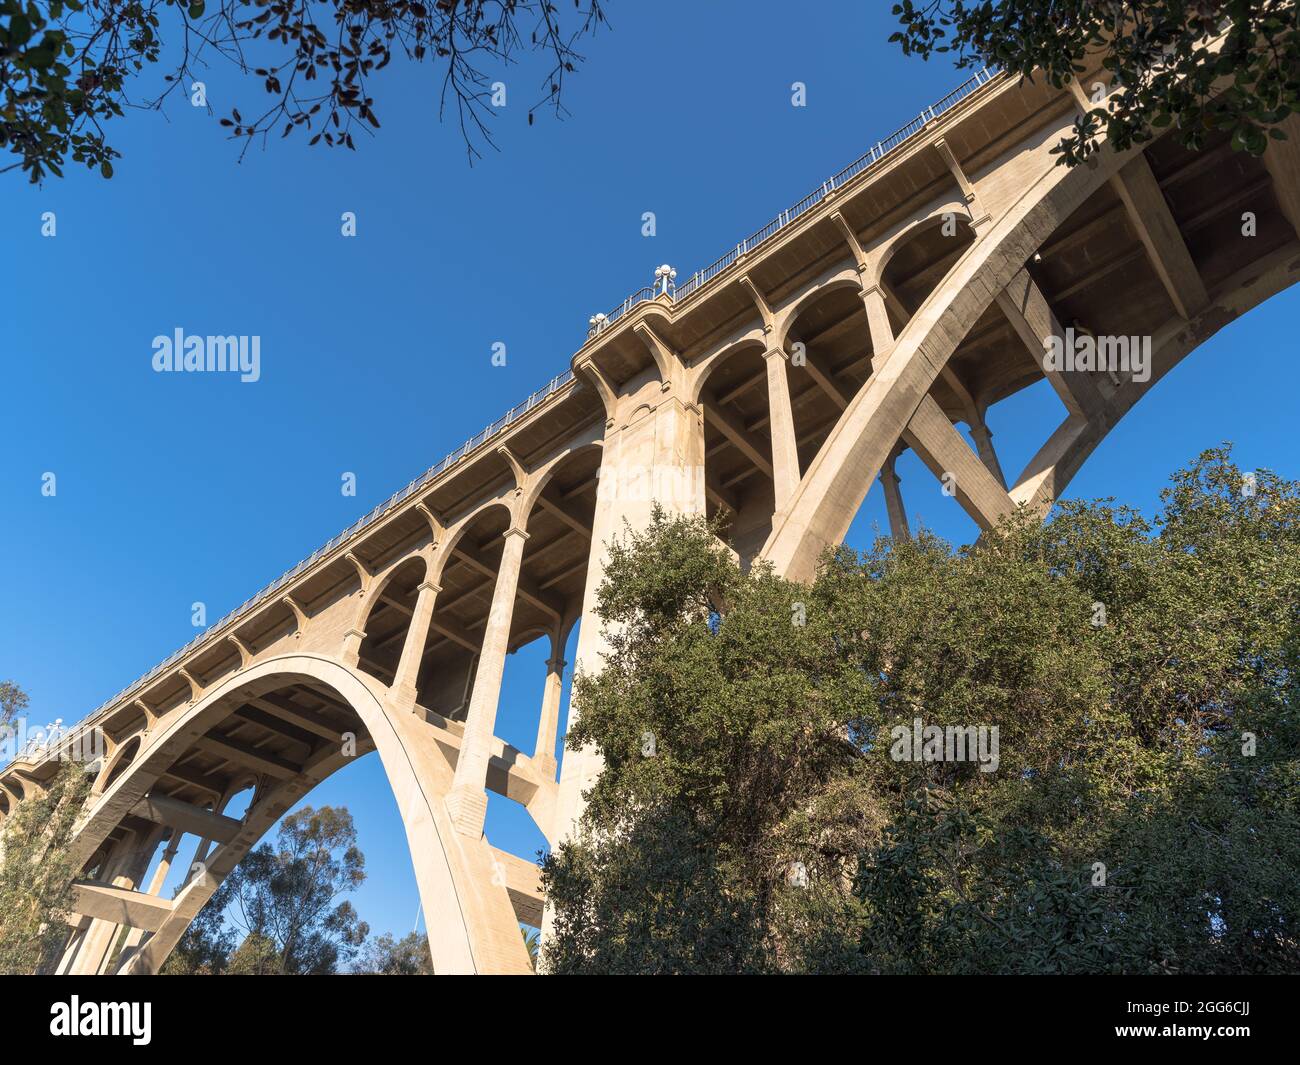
x,y
13,700
36,871
1201,67
387,956
1144,813
206,946
68,67
288,898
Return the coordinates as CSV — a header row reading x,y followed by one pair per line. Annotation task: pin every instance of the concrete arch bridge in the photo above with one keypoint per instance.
x,y
900,300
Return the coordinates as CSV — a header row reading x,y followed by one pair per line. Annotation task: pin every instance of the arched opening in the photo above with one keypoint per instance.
x,y
738,472
831,358
263,748
921,260
450,657
121,761
390,617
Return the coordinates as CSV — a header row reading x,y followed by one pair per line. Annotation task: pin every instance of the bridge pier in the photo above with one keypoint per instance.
x,y
467,799
653,454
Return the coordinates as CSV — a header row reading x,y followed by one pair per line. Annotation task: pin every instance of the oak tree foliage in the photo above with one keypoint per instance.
x,y
1198,66
1144,814
68,67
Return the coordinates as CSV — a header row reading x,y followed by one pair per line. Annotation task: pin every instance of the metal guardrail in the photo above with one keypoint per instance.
x,y
874,154
692,284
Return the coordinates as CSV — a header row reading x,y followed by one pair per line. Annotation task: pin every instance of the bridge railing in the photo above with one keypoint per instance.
x,y
874,154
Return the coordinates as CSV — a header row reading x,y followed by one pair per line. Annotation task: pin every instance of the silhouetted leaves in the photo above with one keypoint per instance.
x,y
1198,66
65,66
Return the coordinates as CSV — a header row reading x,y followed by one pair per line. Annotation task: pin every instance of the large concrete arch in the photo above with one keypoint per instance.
x,y
1050,471
839,477
454,874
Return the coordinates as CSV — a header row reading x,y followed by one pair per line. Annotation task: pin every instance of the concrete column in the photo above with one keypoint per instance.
x,y
785,451
70,952
134,937
889,480
121,869
544,753
882,333
165,862
670,442
983,438
467,799
402,690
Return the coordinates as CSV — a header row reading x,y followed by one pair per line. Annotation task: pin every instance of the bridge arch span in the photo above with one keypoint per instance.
x,y
451,871
837,481
846,279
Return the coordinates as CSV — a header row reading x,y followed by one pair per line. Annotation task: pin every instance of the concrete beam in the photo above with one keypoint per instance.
x,y
455,634
251,757
944,450
1031,316
1149,212
276,726
212,785
817,369
741,437
524,588
119,906
278,706
556,509
524,886
718,494
565,573
165,810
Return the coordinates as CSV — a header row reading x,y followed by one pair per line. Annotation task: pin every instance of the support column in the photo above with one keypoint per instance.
x,y
983,438
467,799
785,448
402,690
889,480
548,723
882,333
134,937
123,868
670,442
70,951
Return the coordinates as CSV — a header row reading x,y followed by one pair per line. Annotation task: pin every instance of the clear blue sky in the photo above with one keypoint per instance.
x,y
177,488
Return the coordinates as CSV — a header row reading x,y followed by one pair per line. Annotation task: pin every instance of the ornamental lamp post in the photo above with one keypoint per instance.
x,y
665,276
